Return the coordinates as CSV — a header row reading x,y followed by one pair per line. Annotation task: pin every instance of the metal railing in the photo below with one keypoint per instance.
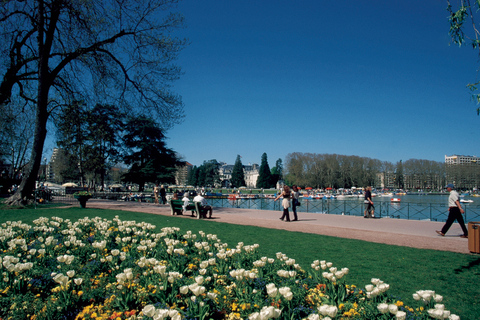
x,y
403,210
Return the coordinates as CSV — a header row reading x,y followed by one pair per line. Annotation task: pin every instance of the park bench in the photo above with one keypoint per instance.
x,y
176,207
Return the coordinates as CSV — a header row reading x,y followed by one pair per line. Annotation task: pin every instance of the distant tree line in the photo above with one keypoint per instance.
x,y
342,171
93,140
208,174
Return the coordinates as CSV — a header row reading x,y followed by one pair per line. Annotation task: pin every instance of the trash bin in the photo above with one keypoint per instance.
x,y
474,236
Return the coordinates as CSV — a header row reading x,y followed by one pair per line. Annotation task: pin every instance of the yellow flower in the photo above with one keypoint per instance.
x,y
399,303
245,306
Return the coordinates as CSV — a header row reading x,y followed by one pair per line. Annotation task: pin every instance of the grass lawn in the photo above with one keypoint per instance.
x,y
406,270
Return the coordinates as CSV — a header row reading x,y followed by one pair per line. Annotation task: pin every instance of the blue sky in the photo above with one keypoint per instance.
x,y
373,78
377,79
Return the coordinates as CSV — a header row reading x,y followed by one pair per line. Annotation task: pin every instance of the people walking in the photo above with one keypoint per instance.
x,y
295,202
369,207
286,194
163,194
156,193
455,211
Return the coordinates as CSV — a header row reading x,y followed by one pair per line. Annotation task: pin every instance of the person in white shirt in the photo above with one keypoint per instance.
x,y
186,201
203,202
454,212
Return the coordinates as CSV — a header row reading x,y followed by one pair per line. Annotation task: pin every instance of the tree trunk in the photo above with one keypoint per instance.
x,y
24,193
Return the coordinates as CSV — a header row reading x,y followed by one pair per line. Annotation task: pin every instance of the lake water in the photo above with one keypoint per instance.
x,y
414,207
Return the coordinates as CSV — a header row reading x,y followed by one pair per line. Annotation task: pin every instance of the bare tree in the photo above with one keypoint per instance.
x,y
54,52
16,136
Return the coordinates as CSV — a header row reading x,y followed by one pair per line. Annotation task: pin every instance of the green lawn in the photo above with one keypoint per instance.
x,y
406,270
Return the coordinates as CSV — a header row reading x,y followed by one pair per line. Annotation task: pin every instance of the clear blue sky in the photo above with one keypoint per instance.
x,y
372,78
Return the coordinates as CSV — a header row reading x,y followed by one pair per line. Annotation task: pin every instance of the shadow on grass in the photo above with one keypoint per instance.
x,y
471,265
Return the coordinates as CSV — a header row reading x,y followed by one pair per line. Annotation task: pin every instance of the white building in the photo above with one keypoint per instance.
x,y
251,173
461,160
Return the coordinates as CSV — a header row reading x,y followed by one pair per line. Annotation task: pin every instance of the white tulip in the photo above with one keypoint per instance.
x,y
332,311
383,308
400,315
149,310
392,308
184,289
313,316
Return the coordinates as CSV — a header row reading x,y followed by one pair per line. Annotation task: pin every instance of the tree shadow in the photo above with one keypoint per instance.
x,y
469,266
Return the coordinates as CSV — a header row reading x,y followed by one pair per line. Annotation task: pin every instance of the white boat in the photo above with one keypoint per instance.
x,y
466,201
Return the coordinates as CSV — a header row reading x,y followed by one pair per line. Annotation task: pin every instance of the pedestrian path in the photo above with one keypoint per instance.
x,y
411,233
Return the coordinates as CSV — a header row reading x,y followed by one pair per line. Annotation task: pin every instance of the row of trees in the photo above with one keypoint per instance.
x,y
93,140
208,174
341,171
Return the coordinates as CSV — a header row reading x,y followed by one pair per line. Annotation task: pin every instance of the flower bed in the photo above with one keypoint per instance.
x,y
112,269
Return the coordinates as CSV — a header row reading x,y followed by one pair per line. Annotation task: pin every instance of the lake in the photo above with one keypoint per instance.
x,y
414,207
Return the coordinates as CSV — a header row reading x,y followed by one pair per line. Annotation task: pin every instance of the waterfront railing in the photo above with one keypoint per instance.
x,y
383,209
404,210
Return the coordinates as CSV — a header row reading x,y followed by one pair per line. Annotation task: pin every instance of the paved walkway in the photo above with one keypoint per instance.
x,y
410,233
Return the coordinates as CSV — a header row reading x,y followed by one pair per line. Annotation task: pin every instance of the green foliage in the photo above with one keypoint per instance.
x,y
105,123
277,171
147,153
192,179
238,176
264,179
89,139
462,31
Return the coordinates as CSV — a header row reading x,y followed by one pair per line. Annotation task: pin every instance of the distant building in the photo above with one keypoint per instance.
x,y
181,177
463,171
251,173
50,173
461,160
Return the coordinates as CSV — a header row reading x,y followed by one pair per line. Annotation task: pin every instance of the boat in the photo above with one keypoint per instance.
x,y
395,200
466,201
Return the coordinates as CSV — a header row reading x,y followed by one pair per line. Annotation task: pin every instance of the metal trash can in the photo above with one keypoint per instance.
x,y
474,236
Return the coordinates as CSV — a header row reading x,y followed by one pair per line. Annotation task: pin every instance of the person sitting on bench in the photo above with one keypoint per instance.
x,y
199,198
186,202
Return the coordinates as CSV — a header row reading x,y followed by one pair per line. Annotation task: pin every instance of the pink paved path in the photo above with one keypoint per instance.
x,y
410,233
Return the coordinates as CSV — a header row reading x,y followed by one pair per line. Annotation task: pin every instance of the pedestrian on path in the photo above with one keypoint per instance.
x,y
295,202
369,207
455,211
156,193
286,194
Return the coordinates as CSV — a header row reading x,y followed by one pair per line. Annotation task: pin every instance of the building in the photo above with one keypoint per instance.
x,y
251,175
251,172
463,171
462,160
181,176
50,173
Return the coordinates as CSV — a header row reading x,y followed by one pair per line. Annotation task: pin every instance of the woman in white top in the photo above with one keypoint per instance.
x,y
286,194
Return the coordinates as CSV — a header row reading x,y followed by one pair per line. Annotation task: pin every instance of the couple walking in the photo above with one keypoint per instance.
x,y
288,194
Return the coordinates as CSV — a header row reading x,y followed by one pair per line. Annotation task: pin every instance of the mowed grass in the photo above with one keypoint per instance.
x,y
452,275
